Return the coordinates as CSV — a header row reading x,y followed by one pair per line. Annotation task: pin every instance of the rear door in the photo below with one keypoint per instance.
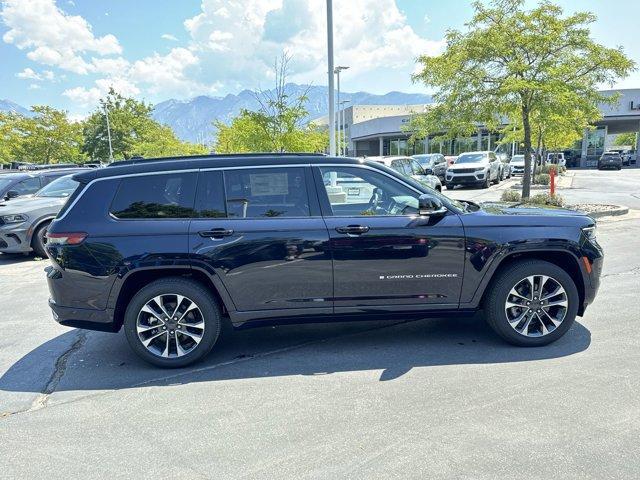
x,y
260,232
385,256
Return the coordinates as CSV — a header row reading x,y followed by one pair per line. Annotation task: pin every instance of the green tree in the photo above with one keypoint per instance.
x,y
160,141
46,137
516,63
278,125
9,136
626,139
129,121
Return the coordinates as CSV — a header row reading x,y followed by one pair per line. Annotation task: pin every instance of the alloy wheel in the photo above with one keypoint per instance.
x,y
170,325
536,305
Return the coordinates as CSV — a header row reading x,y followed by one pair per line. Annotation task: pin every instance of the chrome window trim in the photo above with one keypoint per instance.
x,y
189,170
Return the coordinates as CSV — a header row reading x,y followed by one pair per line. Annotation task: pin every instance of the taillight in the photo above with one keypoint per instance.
x,y
66,238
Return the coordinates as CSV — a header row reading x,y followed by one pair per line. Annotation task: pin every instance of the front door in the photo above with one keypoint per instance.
x,y
385,256
265,240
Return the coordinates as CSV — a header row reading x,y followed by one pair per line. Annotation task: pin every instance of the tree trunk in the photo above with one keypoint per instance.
x,y
526,179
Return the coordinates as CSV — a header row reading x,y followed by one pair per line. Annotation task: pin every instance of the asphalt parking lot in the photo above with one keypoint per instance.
x,y
433,398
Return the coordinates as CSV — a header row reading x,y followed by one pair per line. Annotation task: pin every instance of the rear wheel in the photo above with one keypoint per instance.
x,y
39,240
172,322
532,303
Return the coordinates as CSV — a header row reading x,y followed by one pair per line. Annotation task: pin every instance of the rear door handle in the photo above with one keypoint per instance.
x,y
216,233
353,229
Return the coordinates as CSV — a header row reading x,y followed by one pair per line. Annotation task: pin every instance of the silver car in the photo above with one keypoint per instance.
x,y
474,168
411,168
24,221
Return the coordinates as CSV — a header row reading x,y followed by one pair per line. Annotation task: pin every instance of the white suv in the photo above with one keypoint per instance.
x,y
474,168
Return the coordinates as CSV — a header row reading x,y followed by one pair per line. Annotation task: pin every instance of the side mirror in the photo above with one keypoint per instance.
x,y
430,206
428,171
12,194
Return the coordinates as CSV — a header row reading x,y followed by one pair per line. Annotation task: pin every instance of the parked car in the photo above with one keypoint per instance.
x,y
433,163
24,221
411,168
474,168
167,249
21,183
556,158
451,159
516,165
610,160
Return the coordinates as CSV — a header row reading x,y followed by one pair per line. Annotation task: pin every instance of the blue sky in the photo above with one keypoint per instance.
x,y
67,53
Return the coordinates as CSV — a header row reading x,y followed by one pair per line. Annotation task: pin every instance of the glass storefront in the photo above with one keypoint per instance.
x,y
402,146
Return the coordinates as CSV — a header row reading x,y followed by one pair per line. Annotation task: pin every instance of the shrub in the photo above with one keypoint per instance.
x,y
546,199
510,196
547,169
542,179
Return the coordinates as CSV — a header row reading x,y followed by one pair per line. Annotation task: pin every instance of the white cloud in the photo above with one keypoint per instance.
x,y
30,74
53,37
237,42
167,73
34,86
168,36
89,97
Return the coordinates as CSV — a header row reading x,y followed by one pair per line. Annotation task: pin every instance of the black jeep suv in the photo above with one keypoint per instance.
x,y
169,248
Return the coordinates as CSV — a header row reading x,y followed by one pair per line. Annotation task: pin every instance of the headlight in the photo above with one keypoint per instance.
x,y
14,218
481,169
590,232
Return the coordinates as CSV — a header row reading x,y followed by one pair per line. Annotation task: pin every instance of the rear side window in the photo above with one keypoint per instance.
x,y
155,196
266,192
28,186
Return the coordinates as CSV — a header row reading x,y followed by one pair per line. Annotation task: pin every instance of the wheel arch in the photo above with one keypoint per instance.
x,y
562,258
137,279
36,225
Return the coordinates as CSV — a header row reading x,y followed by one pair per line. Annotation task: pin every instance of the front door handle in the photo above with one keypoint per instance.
x,y
216,233
353,229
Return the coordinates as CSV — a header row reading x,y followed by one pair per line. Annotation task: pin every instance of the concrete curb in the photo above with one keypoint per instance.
x,y
619,210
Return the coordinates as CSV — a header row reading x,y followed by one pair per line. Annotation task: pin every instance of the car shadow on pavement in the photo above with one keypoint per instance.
x,y
14,258
104,361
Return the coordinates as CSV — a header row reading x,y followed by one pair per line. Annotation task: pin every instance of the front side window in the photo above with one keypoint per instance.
x,y
210,197
354,191
416,169
266,193
155,196
28,186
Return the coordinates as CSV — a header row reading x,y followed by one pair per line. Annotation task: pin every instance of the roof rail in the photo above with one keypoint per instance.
x,y
212,156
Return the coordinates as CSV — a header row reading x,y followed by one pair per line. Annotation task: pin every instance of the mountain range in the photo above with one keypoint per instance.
x,y
192,119
9,106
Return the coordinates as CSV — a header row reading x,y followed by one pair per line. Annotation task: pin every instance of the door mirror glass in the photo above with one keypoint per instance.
x,y
430,206
12,194
428,171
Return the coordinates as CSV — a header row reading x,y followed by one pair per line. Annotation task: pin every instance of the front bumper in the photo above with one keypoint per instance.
x,y
15,239
466,178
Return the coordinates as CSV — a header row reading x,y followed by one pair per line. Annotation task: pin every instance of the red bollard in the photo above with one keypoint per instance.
x,y
552,173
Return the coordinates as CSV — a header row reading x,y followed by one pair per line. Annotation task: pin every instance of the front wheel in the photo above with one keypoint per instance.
x,y
532,303
40,240
172,322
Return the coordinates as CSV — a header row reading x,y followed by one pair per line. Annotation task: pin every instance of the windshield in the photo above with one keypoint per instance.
x,y
472,158
517,159
62,187
424,160
4,183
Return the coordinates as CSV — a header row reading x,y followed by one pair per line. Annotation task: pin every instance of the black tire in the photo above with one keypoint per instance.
x,y
487,182
494,305
497,179
169,286
39,240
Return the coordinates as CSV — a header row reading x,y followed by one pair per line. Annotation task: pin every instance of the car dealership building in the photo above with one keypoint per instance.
x,y
377,130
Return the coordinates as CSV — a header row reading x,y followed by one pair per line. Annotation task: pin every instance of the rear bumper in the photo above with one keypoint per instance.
x,y
101,320
73,316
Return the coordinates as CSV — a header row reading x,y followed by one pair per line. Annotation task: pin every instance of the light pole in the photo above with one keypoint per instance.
x,y
337,71
106,114
343,132
332,133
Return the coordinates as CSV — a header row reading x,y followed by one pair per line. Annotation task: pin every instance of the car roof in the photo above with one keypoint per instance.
x,y
196,162
477,152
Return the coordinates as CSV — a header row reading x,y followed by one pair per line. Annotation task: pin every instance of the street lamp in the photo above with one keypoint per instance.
x,y
342,131
332,134
337,71
106,114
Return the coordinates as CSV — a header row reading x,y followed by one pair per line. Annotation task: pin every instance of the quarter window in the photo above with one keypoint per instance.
x,y
155,196
266,193
354,191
